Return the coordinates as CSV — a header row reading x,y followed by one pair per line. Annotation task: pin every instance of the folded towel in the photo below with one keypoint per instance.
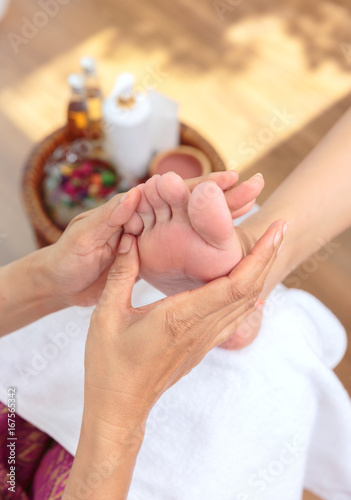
x,y
260,423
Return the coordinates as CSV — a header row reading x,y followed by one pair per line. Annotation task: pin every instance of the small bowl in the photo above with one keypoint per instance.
x,y
186,161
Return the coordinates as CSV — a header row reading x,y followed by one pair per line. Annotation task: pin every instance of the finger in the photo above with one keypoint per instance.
x,y
211,334
253,269
221,326
135,225
241,198
225,180
113,243
240,211
237,324
227,328
115,299
100,224
249,283
246,332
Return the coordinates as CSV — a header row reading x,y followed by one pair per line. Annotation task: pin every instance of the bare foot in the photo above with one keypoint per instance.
x,y
187,238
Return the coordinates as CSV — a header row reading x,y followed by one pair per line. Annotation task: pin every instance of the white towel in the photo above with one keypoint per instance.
x,y
260,423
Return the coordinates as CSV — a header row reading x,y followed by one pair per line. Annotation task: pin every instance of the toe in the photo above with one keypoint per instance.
x,y
160,206
225,179
240,197
175,192
135,225
210,216
145,210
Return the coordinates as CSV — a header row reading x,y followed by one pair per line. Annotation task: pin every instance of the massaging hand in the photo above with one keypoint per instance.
x,y
79,262
134,355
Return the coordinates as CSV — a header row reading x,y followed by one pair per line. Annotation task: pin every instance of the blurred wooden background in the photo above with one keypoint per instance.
x,y
232,68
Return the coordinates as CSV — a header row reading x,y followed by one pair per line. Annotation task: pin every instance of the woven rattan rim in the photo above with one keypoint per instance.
x,y
46,230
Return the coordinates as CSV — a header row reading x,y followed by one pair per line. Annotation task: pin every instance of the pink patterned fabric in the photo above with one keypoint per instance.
x,y
52,474
42,465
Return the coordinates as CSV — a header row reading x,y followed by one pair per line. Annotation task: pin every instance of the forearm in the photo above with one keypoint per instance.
x,y
103,465
315,199
24,293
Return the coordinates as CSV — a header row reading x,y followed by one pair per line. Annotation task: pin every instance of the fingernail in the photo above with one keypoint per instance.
x,y
233,173
125,244
280,234
126,195
277,238
285,227
256,176
259,304
280,248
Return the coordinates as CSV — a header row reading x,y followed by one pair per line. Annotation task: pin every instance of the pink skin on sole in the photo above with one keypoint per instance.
x,y
185,239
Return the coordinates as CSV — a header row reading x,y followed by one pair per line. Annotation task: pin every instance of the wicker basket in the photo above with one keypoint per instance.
x,y
46,231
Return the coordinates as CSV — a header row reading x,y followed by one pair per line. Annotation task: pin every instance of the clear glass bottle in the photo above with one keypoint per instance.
x,y
77,115
94,96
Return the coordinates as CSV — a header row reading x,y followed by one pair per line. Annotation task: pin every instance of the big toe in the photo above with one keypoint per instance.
x,y
210,216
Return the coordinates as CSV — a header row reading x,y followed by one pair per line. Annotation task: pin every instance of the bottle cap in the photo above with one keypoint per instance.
x,y
88,64
76,81
124,88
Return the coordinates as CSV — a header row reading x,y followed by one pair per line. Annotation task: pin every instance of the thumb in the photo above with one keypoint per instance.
x,y
97,226
116,296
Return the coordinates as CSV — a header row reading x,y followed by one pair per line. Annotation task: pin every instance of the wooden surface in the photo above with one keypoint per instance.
x,y
230,70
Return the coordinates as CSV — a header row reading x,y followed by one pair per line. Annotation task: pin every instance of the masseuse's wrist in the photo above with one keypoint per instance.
x,y
114,438
118,429
45,287
104,463
116,420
